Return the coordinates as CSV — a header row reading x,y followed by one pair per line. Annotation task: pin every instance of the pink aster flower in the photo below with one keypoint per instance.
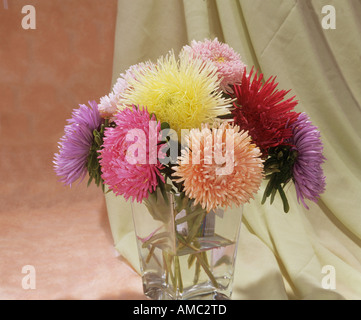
x,y
228,62
108,103
307,171
129,162
215,182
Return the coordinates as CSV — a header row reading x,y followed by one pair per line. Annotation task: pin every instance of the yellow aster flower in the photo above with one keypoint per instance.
x,y
184,92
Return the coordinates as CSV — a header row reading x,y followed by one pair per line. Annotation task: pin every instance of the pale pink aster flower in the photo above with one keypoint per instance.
x,y
228,62
108,103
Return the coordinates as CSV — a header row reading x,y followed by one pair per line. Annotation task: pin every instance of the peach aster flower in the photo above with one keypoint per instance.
x,y
203,175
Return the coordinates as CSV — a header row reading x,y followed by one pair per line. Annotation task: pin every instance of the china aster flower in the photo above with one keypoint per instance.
x,y
307,171
108,103
127,167
228,62
220,167
262,110
71,161
181,92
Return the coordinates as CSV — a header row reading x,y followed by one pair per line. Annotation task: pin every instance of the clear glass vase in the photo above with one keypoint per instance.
x,y
185,253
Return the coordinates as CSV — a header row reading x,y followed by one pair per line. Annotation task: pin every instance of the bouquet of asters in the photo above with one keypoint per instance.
x,y
198,132
189,98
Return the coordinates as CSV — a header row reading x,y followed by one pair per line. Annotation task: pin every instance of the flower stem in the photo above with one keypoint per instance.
x,y
206,269
197,271
191,259
203,262
168,268
155,237
151,251
178,273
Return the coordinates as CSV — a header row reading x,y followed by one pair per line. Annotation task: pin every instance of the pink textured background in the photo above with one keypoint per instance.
x,y
64,233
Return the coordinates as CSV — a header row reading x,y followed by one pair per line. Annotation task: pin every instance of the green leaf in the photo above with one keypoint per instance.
x,y
155,195
164,192
264,198
286,206
164,125
195,226
191,260
268,190
155,237
98,140
90,180
189,216
224,259
274,191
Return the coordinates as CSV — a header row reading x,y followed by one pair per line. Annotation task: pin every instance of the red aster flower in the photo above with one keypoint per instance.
x,y
261,109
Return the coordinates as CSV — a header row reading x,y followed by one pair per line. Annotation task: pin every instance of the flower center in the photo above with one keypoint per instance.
x,y
220,59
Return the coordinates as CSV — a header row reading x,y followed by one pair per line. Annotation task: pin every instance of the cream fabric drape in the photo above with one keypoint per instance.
x,y
280,256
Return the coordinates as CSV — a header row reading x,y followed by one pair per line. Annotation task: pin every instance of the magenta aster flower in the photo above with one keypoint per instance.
x,y
227,61
307,171
71,161
130,165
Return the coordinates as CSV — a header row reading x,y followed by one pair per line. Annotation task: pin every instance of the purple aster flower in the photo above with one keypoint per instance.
x,y
71,161
307,171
